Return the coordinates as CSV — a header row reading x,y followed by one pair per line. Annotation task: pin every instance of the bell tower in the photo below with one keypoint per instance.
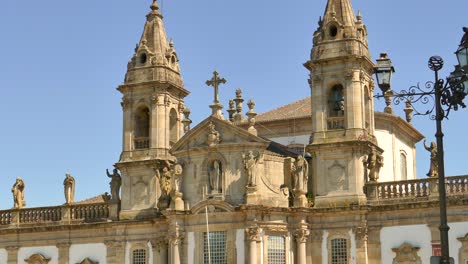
x,y
152,104
342,105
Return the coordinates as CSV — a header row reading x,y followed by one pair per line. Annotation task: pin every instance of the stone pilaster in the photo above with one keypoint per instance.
x,y
12,254
115,251
175,242
315,246
374,254
63,252
160,247
301,236
253,236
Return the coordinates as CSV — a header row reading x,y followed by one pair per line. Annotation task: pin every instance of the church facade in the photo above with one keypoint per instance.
x,y
238,188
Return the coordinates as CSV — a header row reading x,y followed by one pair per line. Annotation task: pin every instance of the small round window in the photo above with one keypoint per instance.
x,y
143,58
333,31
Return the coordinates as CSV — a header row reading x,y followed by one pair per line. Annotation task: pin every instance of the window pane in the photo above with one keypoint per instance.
x,y
217,248
339,253
139,256
276,250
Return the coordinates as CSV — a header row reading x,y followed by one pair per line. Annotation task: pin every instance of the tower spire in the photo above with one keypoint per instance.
x,y
339,11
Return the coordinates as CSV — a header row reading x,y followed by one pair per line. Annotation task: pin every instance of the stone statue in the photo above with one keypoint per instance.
x,y
374,164
300,174
69,188
434,166
164,181
18,193
250,161
115,183
176,172
213,136
215,172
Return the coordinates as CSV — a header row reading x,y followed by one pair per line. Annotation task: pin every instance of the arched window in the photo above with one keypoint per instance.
x,y
403,167
142,126
173,133
339,251
139,256
336,101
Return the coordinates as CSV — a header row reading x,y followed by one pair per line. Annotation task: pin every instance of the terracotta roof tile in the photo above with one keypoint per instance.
x,y
298,109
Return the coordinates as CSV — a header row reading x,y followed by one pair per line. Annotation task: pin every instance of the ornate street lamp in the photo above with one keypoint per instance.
x,y
447,95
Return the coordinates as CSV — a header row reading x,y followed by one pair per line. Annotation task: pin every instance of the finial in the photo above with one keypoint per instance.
x,y
239,100
215,82
359,16
251,117
408,111
186,121
171,43
155,6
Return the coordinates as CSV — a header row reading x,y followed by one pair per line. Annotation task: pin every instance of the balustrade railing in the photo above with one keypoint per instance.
x,y
142,143
43,214
67,213
415,189
90,212
5,217
336,122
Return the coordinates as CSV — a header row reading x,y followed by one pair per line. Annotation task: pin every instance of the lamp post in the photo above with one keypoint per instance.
x,y
447,94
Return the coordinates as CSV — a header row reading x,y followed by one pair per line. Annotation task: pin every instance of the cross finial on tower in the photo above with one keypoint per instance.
x,y
215,82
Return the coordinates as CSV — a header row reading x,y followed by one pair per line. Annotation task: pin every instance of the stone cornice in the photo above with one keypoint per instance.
x,y
383,119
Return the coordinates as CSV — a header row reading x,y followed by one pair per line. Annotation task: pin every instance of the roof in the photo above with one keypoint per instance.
x,y
298,109
102,198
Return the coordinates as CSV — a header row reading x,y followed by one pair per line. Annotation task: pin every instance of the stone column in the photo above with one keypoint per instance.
x,y
115,251
12,254
161,123
361,235
128,123
301,239
63,252
253,235
159,250
315,246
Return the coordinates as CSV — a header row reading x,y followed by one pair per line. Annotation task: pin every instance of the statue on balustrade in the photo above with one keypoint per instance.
x,y
69,188
18,193
300,174
434,166
250,161
115,183
215,173
374,164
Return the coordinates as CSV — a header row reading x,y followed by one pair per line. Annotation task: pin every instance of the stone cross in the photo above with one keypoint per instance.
x,y
215,82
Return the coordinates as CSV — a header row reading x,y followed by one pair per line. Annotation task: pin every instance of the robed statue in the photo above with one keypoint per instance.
x,y
300,174
18,194
69,188
115,183
250,161
215,173
375,162
434,165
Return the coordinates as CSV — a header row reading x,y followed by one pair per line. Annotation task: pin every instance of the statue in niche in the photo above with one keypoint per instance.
x,y
434,166
115,183
18,193
164,178
213,136
300,174
374,164
215,172
69,188
250,161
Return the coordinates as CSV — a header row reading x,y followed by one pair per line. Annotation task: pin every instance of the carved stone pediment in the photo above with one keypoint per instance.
x,y
88,261
406,254
214,133
37,259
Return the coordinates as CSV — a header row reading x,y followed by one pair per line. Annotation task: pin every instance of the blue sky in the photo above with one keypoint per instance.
x,y
62,60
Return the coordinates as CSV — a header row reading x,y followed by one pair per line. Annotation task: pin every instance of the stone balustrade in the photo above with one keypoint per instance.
x,y
142,143
98,212
419,189
335,123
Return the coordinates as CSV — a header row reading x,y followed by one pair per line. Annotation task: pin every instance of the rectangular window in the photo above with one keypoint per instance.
x,y
339,251
139,256
276,250
217,250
